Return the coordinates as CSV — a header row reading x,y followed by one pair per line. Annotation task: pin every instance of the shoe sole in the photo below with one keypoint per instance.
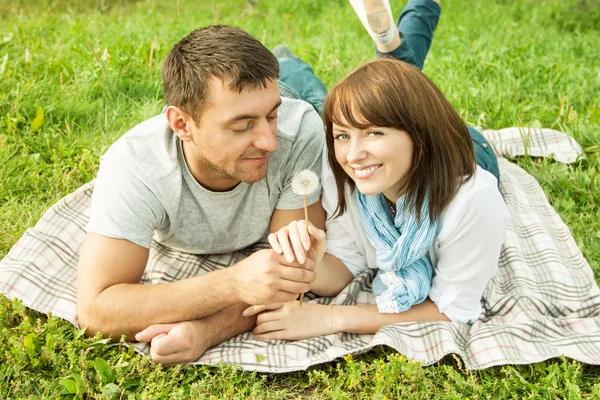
x,y
377,16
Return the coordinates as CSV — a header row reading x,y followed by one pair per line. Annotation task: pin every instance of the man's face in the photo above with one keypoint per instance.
x,y
234,136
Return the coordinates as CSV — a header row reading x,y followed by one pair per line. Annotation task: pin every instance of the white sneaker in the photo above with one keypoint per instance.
x,y
376,16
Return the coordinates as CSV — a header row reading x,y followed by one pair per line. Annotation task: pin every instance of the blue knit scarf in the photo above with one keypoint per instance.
x,y
401,244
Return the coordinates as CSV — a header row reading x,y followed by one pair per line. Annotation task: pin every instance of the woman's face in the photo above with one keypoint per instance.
x,y
377,159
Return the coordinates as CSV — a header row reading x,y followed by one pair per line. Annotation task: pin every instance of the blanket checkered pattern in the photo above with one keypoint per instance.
x,y
535,142
543,302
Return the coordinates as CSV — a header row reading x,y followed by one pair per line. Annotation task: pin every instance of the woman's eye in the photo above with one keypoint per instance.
x,y
374,133
341,136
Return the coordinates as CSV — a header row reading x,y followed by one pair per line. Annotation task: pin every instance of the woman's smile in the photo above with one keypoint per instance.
x,y
365,172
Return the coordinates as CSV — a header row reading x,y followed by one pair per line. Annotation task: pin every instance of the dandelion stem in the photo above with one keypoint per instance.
x,y
305,212
301,300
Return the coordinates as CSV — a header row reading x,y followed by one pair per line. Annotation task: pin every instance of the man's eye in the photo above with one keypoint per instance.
x,y
244,129
272,117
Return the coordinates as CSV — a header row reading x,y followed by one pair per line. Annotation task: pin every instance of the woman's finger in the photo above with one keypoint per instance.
x,y
274,335
274,243
295,239
304,234
320,238
268,326
317,233
267,317
284,242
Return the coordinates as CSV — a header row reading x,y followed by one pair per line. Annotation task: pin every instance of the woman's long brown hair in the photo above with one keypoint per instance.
x,y
390,93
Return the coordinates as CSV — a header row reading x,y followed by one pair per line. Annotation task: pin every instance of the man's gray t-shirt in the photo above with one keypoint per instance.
x,y
144,188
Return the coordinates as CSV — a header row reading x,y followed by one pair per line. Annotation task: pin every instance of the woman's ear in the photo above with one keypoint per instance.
x,y
180,123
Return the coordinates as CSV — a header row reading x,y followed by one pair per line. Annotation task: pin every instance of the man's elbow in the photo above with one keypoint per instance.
x,y
91,318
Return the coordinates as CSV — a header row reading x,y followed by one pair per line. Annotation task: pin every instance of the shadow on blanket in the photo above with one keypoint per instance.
x,y
543,302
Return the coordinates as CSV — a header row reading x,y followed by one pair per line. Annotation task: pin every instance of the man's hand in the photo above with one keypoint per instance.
x,y
180,343
265,277
185,342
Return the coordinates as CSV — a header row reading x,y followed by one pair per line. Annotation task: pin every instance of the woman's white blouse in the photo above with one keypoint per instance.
x,y
464,255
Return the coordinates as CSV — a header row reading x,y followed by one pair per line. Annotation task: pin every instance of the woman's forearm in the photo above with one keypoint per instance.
x,y
368,320
332,277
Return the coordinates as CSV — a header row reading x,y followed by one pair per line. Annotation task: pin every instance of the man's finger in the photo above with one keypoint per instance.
x,y
290,290
153,330
253,310
172,359
174,342
284,296
300,275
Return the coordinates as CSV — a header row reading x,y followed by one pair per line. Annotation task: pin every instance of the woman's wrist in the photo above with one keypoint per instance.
x,y
336,323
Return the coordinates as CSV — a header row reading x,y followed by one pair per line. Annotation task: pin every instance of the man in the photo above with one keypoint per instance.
x,y
211,175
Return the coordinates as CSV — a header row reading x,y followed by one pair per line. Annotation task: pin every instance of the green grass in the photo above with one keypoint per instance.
x,y
501,63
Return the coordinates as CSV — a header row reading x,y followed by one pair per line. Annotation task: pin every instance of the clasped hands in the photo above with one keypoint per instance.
x,y
302,243
269,280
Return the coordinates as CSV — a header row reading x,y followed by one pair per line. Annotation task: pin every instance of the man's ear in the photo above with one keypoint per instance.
x,y
180,122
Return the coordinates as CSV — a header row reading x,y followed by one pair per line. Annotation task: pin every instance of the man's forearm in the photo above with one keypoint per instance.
x,y
128,308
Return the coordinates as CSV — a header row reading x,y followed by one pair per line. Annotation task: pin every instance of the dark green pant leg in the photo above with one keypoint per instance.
x,y
486,158
416,25
298,80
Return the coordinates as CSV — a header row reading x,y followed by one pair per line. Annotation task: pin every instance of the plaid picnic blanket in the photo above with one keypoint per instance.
x,y
543,302
535,142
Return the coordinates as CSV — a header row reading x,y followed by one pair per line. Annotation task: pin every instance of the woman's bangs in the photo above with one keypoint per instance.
x,y
345,106
362,101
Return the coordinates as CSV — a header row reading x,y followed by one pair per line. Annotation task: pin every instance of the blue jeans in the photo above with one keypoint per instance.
x,y
416,25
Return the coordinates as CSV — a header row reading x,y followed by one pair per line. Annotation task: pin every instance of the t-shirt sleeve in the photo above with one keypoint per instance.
x,y
305,153
468,257
123,207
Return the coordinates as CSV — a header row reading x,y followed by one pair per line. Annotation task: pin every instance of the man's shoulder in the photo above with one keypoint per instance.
x,y
148,150
298,120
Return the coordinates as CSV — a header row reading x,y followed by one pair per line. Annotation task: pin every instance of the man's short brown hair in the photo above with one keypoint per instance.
x,y
214,51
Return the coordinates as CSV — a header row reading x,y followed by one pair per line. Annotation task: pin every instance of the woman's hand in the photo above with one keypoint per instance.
x,y
297,241
286,321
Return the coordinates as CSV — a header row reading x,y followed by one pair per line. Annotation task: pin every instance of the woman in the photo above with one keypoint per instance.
x,y
405,195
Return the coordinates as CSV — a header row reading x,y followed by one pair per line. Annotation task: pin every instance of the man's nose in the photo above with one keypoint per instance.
x,y
266,136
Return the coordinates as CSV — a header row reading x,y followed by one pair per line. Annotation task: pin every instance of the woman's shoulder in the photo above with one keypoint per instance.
x,y
482,184
478,203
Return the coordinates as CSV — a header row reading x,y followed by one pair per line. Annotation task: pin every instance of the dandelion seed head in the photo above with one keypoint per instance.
x,y
305,182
